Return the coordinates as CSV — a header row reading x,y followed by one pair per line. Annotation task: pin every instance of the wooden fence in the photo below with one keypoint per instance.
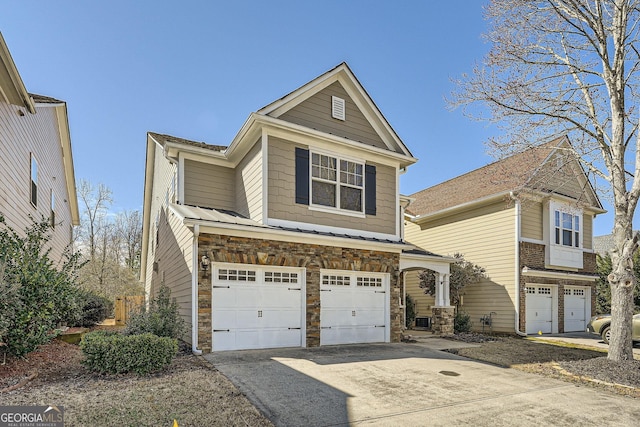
x,y
125,306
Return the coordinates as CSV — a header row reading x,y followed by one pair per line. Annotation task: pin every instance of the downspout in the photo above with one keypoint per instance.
x,y
517,257
194,293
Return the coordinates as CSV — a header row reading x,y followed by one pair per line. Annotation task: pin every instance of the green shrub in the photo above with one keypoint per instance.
x,y
44,293
109,352
93,309
462,322
161,318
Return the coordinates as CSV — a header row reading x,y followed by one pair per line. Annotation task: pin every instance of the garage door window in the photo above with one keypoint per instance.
x,y
375,282
279,277
336,280
237,275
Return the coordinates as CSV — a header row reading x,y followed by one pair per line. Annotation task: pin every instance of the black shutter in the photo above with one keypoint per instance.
x,y
370,189
302,176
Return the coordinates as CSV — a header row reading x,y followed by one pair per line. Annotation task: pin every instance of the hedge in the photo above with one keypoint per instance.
x,y
114,353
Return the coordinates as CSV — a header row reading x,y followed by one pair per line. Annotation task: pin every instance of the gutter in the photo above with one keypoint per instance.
x,y
517,257
194,293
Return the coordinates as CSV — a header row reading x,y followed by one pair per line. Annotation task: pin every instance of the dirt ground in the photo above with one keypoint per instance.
x,y
191,391
194,393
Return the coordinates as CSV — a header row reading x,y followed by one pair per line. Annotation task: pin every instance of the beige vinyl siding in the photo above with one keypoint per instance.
x,y
315,113
486,237
532,220
248,177
423,302
209,186
173,256
281,203
19,137
587,229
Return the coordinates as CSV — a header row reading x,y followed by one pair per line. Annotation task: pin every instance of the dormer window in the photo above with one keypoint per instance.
x,y
336,182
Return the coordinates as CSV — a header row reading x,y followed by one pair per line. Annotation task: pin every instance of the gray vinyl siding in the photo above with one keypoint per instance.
x,y
248,178
39,134
281,204
315,113
208,185
173,256
486,237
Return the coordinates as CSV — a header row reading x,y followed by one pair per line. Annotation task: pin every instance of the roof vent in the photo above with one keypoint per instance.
x,y
337,108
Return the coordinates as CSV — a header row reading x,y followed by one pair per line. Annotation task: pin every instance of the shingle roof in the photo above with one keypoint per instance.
x,y
44,99
504,175
162,138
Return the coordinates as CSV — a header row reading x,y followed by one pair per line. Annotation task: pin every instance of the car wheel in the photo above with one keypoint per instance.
x,y
606,334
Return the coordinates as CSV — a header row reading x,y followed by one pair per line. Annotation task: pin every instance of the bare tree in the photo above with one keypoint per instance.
x,y
571,66
109,242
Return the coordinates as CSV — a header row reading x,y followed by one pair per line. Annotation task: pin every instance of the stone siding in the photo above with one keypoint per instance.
x,y
313,258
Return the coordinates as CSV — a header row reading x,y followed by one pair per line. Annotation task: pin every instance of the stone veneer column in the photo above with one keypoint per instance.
x,y
442,320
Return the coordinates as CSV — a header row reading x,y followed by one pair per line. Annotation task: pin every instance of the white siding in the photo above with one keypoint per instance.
x,y
485,236
19,136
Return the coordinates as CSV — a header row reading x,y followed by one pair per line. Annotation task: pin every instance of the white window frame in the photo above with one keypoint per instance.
x,y
337,183
560,229
559,254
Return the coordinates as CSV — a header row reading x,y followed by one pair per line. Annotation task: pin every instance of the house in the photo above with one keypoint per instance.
x,y
527,219
36,166
292,234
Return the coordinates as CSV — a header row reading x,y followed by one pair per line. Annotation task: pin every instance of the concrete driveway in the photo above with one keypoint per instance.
x,y
410,384
583,338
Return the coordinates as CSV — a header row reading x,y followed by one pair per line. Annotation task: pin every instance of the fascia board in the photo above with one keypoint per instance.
x,y
265,233
146,207
437,258
13,74
67,158
566,199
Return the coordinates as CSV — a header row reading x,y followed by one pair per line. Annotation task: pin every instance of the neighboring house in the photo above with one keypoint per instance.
x,y
36,164
292,234
526,219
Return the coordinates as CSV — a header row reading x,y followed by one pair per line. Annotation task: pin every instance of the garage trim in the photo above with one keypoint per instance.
x,y
580,291
540,289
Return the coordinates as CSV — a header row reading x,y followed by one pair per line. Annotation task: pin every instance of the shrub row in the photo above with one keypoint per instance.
x,y
113,353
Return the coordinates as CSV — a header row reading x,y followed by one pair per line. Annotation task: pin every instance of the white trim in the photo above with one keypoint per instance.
x,y
337,211
265,174
557,274
337,183
329,229
535,241
555,320
194,293
517,265
180,197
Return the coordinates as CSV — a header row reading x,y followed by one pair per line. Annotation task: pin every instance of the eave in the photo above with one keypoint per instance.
x,y
12,89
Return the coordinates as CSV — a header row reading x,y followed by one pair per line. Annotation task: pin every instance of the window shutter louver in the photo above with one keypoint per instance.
x,y
302,176
370,189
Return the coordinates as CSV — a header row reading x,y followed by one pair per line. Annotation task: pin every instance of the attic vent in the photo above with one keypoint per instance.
x,y
337,108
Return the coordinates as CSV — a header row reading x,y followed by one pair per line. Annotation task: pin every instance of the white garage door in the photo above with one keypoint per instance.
x,y
576,308
353,307
540,309
256,307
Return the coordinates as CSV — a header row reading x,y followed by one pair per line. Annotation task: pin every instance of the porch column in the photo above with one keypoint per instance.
x,y
447,289
439,297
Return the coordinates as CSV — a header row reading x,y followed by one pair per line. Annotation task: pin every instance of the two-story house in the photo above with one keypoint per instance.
x,y
292,234
36,164
527,219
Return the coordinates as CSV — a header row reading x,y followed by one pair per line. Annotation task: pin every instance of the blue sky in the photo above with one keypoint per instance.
x,y
197,69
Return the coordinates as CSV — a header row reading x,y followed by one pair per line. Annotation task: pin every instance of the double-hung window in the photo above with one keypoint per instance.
x,y
567,229
336,182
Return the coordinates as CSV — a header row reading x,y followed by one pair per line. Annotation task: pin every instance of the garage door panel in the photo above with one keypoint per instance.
x,y
261,313
351,312
575,309
539,309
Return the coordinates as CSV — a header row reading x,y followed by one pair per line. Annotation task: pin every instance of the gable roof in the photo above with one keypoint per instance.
x,y
494,180
342,74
